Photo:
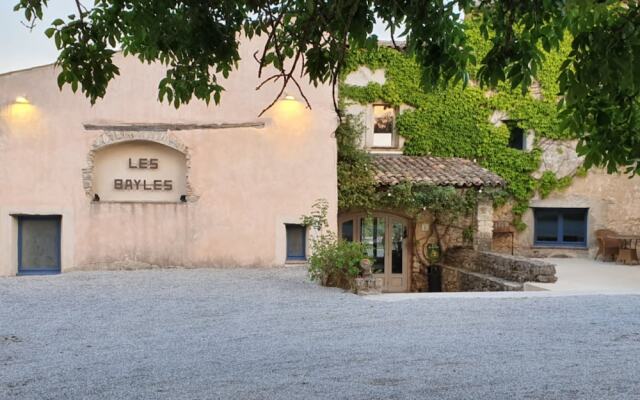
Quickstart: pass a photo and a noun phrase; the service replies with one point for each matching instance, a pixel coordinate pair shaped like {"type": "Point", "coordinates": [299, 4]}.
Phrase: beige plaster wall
{"type": "Point", "coordinates": [246, 182]}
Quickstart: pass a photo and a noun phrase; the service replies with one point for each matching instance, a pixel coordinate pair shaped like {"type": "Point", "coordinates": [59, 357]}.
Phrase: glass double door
{"type": "Point", "coordinates": [387, 242]}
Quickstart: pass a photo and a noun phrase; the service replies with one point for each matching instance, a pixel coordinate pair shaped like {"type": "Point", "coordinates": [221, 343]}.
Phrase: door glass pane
{"type": "Point", "coordinates": [39, 247]}
{"type": "Point", "coordinates": [372, 234]}
{"type": "Point", "coordinates": [347, 230]}
{"type": "Point", "coordinates": [396, 247]}
{"type": "Point", "coordinates": [546, 226]}
{"type": "Point", "coordinates": [296, 242]}
{"type": "Point", "coordinates": [574, 226]}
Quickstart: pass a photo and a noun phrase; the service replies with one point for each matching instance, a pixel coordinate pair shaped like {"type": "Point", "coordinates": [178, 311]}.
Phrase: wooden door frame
{"type": "Point", "coordinates": [388, 215]}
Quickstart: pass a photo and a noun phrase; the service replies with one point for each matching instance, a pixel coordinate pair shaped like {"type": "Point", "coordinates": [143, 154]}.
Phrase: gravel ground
{"type": "Point", "coordinates": [269, 334]}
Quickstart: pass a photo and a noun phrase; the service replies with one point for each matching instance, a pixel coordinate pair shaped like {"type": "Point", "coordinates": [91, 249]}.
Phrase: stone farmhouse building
{"type": "Point", "coordinates": [134, 183]}
{"type": "Point", "coordinates": [562, 224]}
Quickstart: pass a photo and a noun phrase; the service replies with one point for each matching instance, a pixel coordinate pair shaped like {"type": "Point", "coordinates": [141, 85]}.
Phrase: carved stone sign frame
{"type": "Point", "coordinates": [109, 138]}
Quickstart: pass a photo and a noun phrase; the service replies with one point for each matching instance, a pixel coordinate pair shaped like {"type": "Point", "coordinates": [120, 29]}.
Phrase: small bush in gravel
{"type": "Point", "coordinates": [333, 262]}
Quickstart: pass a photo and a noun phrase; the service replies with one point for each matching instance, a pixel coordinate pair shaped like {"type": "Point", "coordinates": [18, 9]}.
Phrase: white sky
{"type": "Point", "coordinates": [21, 48]}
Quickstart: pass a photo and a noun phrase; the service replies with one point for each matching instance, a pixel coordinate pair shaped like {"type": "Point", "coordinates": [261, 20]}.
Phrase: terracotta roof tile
{"type": "Point", "coordinates": [440, 171]}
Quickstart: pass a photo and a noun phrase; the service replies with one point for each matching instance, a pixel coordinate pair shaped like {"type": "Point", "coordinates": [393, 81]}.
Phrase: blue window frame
{"type": "Point", "coordinates": [296, 242]}
{"type": "Point", "coordinates": [560, 227]}
{"type": "Point", "coordinates": [39, 244]}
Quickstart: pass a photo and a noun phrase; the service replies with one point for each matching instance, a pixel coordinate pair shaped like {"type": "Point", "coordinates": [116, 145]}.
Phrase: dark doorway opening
{"type": "Point", "coordinates": [434, 278]}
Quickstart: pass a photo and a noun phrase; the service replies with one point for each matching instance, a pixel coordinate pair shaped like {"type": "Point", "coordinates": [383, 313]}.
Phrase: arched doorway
{"type": "Point", "coordinates": [388, 240]}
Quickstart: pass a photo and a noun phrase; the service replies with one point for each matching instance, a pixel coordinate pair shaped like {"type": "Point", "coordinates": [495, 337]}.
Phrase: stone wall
{"type": "Point", "coordinates": [613, 201]}
{"type": "Point", "coordinates": [425, 234]}
{"type": "Point", "coordinates": [513, 268]}
{"type": "Point", "coordinates": [451, 237]}
{"type": "Point", "coordinates": [466, 270]}
{"type": "Point", "coordinates": [484, 226]}
{"type": "Point", "coordinates": [461, 280]}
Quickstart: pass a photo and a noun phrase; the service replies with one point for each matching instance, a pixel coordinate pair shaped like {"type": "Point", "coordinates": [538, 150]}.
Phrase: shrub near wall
{"type": "Point", "coordinates": [333, 261]}
{"type": "Point", "coordinates": [455, 122]}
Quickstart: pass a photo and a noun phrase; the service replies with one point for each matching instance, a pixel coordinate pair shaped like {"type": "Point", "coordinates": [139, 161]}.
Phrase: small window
{"type": "Point", "coordinates": [39, 244]}
{"type": "Point", "coordinates": [384, 126]}
{"type": "Point", "coordinates": [560, 226]}
{"type": "Point", "coordinates": [517, 137]}
{"type": "Point", "coordinates": [296, 242]}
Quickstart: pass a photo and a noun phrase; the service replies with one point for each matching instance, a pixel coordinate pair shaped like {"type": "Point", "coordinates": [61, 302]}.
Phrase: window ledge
{"type": "Point", "coordinates": [384, 150]}
{"type": "Point", "coordinates": [292, 263]}
{"type": "Point", "coordinates": [136, 202]}
{"type": "Point", "coordinates": [559, 247]}
{"type": "Point", "coordinates": [40, 272]}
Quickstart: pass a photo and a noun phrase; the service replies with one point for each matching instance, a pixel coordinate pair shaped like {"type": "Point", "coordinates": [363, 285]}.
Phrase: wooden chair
{"type": "Point", "coordinates": [608, 245]}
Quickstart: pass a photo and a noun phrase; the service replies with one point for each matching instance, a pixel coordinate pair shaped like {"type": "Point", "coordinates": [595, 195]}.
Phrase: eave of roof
{"type": "Point", "coordinates": [391, 170]}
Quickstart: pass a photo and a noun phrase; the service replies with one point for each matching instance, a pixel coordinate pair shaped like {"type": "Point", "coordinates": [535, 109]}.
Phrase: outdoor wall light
{"type": "Point", "coordinates": [289, 110]}
{"type": "Point", "coordinates": [22, 100]}
{"type": "Point", "coordinates": [19, 110]}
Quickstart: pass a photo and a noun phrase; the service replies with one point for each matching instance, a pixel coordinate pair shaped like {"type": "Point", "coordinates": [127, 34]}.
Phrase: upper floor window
{"type": "Point", "coordinates": [517, 136]}
{"type": "Point", "coordinates": [384, 117]}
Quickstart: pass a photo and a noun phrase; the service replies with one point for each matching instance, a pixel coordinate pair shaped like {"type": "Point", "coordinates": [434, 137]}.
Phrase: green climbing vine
{"type": "Point", "coordinates": [452, 121]}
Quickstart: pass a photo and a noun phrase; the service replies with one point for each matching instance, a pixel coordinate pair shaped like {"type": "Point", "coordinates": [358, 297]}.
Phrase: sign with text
{"type": "Point", "coordinates": [139, 171]}
{"type": "Point", "coordinates": [141, 184]}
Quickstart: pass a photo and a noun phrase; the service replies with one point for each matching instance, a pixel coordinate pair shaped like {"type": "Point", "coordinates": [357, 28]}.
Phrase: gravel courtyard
{"type": "Point", "coordinates": [270, 334]}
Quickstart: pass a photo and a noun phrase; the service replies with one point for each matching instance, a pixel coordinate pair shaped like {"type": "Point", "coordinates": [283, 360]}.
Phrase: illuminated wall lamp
{"type": "Point", "coordinates": [22, 100]}
{"type": "Point", "coordinates": [289, 97]}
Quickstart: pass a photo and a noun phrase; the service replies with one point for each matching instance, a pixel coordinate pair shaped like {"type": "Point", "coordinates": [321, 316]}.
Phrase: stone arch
{"type": "Point", "coordinates": [110, 138]}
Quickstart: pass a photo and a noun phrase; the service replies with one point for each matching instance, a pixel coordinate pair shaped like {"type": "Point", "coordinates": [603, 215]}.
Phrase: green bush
{"type": "Point", "coordinates": [336, 262]}
{"type": "Point", "coordinates": [333, 262]}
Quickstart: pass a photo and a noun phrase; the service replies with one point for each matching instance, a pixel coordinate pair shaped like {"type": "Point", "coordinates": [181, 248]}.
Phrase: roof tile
{"type": "Point", "coordinates": [439, 171]}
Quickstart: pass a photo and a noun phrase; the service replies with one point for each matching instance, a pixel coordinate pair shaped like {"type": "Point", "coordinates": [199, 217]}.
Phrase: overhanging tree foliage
{"type": "Point", "coordinates": [198, 41]}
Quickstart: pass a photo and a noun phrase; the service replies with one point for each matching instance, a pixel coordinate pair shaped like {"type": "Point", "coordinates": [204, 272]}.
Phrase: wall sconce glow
{"type": "Point", "coordinates": [288, 109]}
{"type": "Point", "coordinates": [22, 100]}
{"type": "Point", "coordinates": [20, 111]}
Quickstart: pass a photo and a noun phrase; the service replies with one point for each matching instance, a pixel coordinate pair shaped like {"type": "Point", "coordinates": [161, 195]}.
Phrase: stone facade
{"type": "Point", "coordinates": [559, 157]}
{"type": "Point", "coordinates": [612, 200]}
{"type": "Point", "coordinates": [484, 226]}
{"type": "Point", "coordinates": [450, 237]}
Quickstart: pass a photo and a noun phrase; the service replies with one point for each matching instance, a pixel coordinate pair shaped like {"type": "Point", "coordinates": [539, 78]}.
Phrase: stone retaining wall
{"type": "Point", "coordinates": [513, 268]}
{"type": "Point", "coordinates": [468, 270]}
{"type": "Point", "coordinates": [460, 280]}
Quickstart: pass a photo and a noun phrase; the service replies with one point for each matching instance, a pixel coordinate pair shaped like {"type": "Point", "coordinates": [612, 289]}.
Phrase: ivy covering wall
{"type": "Point", "coordinates": [455, 122]}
